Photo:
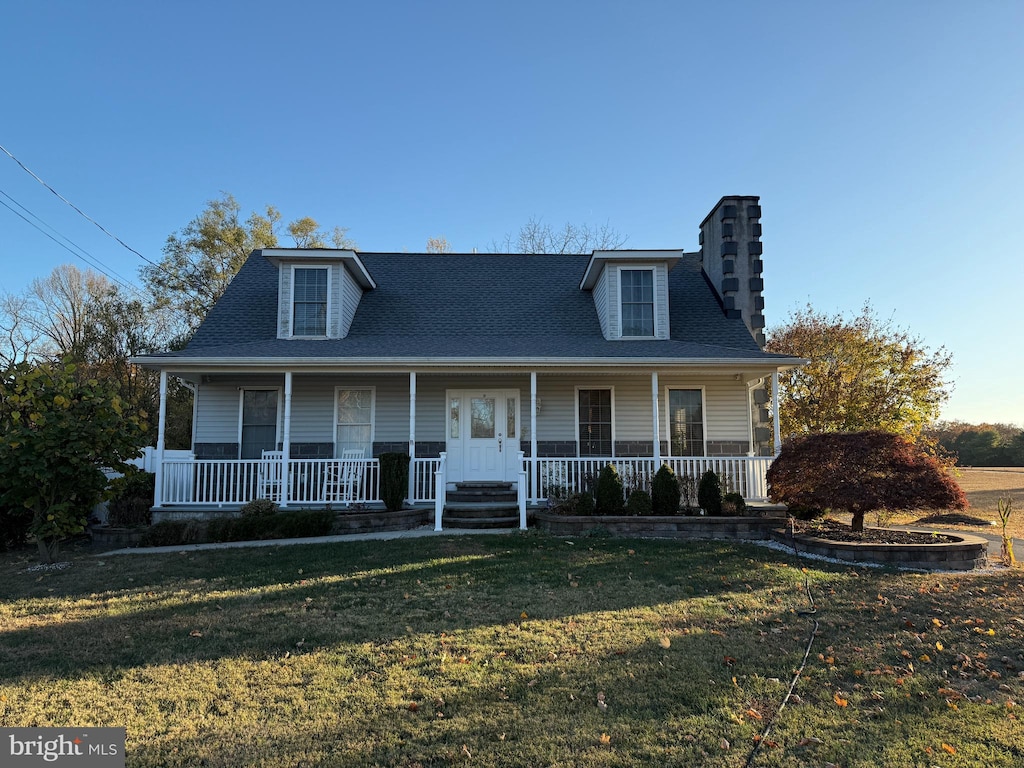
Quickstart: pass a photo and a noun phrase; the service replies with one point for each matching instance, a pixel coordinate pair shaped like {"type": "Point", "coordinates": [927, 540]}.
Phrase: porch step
{"type": "Point", "coordinates": [474, 509]}
{"type": "Point", "coordinates": [481, 522]}
{"type": "Point", "coordinates": [483, 492]}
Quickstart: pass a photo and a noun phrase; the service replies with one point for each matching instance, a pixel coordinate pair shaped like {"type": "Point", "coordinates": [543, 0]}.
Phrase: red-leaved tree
{"type": "Point", "coordinates": [859, 472]}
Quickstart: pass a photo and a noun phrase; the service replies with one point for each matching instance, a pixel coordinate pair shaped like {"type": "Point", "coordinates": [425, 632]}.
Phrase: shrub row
{"type": "Point", "coordinates": [252, 527]}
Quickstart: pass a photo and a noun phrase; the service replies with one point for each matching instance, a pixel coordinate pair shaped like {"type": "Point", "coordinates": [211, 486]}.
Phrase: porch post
{"type": "Point", "coordinates": [656, 420]}
{"type": "Point", "coordinates": [158, 489]}
{"type": "Point", "coordinates": [286, 441]}
{"type": "Point", "coordinates": [412, 436]}
{"type": "Point", "coordinates": [775, 412]}
{"type": "Point", "coordinates": [534, 488]}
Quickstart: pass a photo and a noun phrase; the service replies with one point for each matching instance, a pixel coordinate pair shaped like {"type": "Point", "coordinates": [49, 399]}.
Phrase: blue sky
{"type": "Point", "coordinates": [886, 140]}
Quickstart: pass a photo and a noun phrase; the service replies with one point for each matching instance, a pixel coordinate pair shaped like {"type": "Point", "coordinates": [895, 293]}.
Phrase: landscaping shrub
{"type": "Point", "coordinates": [688, 493]}
{"type": "Point", "coordinates": [860, 472]}
{"type": "Point", "coordinates": [131, 499]}
{"type": "Point", "coordinates": [665, 491]}
{"type": "Point", "coordinates": [581, 504]}
{"type": "Point", "coordinates": [259, 508]}
{"type": "Point", "coordinates": [734, 504]}
{"type": "Point", "coordinates": [170, 533]}
{"type": "Point", "coordinates": [709, 493]}
{"type": "Point", "coordinates": [639, 503]}
{"type": "Point", "coordinates": [609, 491]}
{"type": "Point", "coordinates": [280, 525]}
{"type": "Point", "coordinates": [394, 480]}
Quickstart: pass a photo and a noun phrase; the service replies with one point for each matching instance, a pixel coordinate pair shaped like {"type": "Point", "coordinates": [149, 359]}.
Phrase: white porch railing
{"type": "Point", "coordinates": [224, 482]}
{"type": "Point", "coordinates": [744, 474]}
{"type": "Point", "coordinates": [424, 472]}
{"type": "Point", "coordinates": [219, 482]}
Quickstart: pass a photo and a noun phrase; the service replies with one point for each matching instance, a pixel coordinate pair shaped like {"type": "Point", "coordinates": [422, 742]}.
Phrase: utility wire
{"type": "Point", "coordinates": [79, 210]}
{"type": "Point", "coordinates": [87, 258]}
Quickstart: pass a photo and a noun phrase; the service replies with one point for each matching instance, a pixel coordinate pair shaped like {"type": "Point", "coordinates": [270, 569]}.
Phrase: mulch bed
{"type": "Point", "coordinates": [834, 531]}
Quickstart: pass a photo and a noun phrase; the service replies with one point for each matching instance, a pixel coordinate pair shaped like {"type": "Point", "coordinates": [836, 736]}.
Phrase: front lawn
{"type": "Point", "coordinates": [521, 650]}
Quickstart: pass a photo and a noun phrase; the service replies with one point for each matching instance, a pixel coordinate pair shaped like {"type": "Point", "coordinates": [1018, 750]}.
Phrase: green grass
{"type": "Point", "coordinates": [493, 651]}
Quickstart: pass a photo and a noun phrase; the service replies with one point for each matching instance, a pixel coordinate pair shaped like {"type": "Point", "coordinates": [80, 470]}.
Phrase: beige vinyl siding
{"type": "Point", "coordinates": [284, 302]}
{"type": "Point", "coordinates": [725, 404]}
{"type": "Point", "coordinates": [600, 294]}
{"type": "Point", "coordinates": [334, 282]}
{"type": "Point", "coordinates": [661, 301]}
{"type": "Point", "coordinates": [614, 326]}
{"type": "Point", "coordinates": [350, 294]}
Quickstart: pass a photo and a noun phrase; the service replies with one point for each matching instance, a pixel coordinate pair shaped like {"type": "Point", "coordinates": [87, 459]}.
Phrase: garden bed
{"type": "Point", "coordinates": [922, 550]}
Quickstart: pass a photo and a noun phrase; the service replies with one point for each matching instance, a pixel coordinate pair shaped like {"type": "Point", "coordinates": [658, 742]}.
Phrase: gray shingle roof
{"type": "Point", "coordinates": [471, 306]}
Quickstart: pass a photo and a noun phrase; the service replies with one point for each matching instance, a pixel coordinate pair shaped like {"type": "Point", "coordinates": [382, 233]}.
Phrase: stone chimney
{"type": "Point", "coordinates": [730, 253]}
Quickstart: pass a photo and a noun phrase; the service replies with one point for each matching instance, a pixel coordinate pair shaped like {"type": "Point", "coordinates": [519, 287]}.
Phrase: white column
{"type": "Point", "coordinates": [158, 491]}
{"type": "Point", "coordinates": [656, 420]}
{"type": "Point", "coordinates": [286, 441]}
{"type": "Point", "coordinates": [412, 435]}
{"type": "Point", "coordinates": [775, 412]}
{"type": "Point", "coordinates": [534, 491]}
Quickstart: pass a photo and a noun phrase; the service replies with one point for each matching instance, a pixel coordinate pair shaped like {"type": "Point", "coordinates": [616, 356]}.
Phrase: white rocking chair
{"type": "Point", "coordinates": [343, 480]}
{"type": "Point", "coordinates": [269, 476]}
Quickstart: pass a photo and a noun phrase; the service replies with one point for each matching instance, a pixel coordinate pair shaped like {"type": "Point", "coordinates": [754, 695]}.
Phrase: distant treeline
{"type": "Point", "coordinates": [980, 445]}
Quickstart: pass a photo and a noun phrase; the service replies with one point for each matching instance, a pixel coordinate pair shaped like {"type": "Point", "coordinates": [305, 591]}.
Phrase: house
{"type": "Point", "coordinates": [529, 370]}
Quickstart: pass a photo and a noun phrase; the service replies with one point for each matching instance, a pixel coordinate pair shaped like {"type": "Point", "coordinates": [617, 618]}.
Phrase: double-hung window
{"type": "Point", "coordinates": [637, 294]}
{"type": "Point", "coordinates": [309, 301]}
{"type": "Point", "coordinates": [594, 421]}
{"type": "Point", "coordinates": [355, 420]}
{"type": "Point", "coordinates": [686, 422]}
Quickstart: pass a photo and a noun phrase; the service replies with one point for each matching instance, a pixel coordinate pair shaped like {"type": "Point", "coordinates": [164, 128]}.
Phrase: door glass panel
{"type": "Point", "coordinates": [259, 422]}
{"type": "Point", "coordinates": [453, 418]}
{"type": "Point", "coordinates": [510, 412]}
{"type": "Point", "coordinates": [482, 417]}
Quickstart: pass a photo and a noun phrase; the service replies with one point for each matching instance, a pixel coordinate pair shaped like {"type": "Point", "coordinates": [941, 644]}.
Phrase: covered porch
{"type": "Point", "coordinates": [546, 431]}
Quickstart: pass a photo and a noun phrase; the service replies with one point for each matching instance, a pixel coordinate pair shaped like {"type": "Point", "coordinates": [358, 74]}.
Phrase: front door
{"type": "Point", "coordinates": [483, 435]}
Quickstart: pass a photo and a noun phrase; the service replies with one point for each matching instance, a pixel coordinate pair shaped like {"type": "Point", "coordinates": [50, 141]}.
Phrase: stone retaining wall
{"type": "Point", "coordinates": [668, 527]}
{"type": "Point", "coordinates": [964, 554]}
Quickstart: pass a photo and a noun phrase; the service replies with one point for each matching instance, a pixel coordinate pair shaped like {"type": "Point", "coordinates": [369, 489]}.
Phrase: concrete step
{"type": "Point", "coordinates": [470, 484]}
{"type": "Point", "coordinates": [480, 522]}
{"type": "Point", "coordinates": [474, 509]}
{"type": "Point", "coordinates": [482, 495]}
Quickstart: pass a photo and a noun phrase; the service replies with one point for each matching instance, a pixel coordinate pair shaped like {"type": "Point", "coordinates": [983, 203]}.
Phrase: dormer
{"type": "Point", "coordinates": [318, 291]}
{"type": "Point", "coordinates": [630, 290]}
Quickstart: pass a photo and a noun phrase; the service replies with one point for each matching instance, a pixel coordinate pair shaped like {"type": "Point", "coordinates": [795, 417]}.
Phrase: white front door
{"type": "Point", "coordinates": [483, 434]}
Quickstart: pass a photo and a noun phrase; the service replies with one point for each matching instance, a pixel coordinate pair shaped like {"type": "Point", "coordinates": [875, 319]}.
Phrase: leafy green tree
{"type": "Point", "coordinates": [57, 432]}
{"type": "Point", "coordinates": [864, 373]}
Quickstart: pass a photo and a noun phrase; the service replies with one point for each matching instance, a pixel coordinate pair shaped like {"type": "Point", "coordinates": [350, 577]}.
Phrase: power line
{"type": "Point", "coordinates": [88, 258]}
{"type": "Point", "coordinates": [79, 210]}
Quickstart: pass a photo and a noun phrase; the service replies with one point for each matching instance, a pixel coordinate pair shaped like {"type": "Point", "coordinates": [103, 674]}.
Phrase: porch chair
{"type": "Point", "coordinates": [269, 477]}
{"type": "Point", "coordinates": [344, 479]}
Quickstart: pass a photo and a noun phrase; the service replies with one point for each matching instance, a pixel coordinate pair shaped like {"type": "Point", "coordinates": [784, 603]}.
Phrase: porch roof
{"type": "Point", "coordinates": [496, 309]}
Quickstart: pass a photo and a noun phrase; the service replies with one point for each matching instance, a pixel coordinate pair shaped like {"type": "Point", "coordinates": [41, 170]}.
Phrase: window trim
{"type": "Point", "coordinates": [373, 415]}
{"type": "Point", "coordinates": [654, 296]}
{"type": "Point", "coordinates": [703, 413]}
{"type": "Point", "coordinates": [576, 414]}
{"type": "Point", "coordinates": [291, 302]}
{"type": "Point", "coordinates": [241, 414]}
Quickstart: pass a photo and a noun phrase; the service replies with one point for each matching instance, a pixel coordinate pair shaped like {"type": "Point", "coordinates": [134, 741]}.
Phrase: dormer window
{"type": "Point", "coordinates": [309, 301]}
{"type": "Point", "coordinates": [637, 302]}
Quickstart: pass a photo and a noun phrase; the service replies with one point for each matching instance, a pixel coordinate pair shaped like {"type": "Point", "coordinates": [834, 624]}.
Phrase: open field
{"type": "Point", "coordinates": [984, 487]}
{"type": "Point", "coordinates": [521, 650]}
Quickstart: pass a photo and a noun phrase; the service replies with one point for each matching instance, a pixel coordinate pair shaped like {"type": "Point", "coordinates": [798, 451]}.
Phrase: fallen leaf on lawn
{"type": "Point", "coordinates": [724, 744]}
{"type": "Point", "coordinates": [755, 714]}
{"type": "Point", "coordinates": [936, 622]}
{"type": "Point", "coordinates": [925, 658]}
{"type": "Point", "coordinates": [730, 660]}
{"type": "Point", "coordinates": [523, 615]}
{"type": "Point", "coordinates": [466, 752]}
{"type": "Point", "coordinates": [939, 646]}
{"type": "Point", "coordinates": [807, 741]}
{"type": "Point", "coordinates": [606, 739]}
{"type": "Point", "coordinates": [195, 633]}
{"type": "Point", "coordinates": [948, 748]}
{"type": "Point", "coordinates": [414, 707]}
{"type": "Point", "coordinates": [665, 642]}
{"type": "Point", "coordinates": [839, 700]}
